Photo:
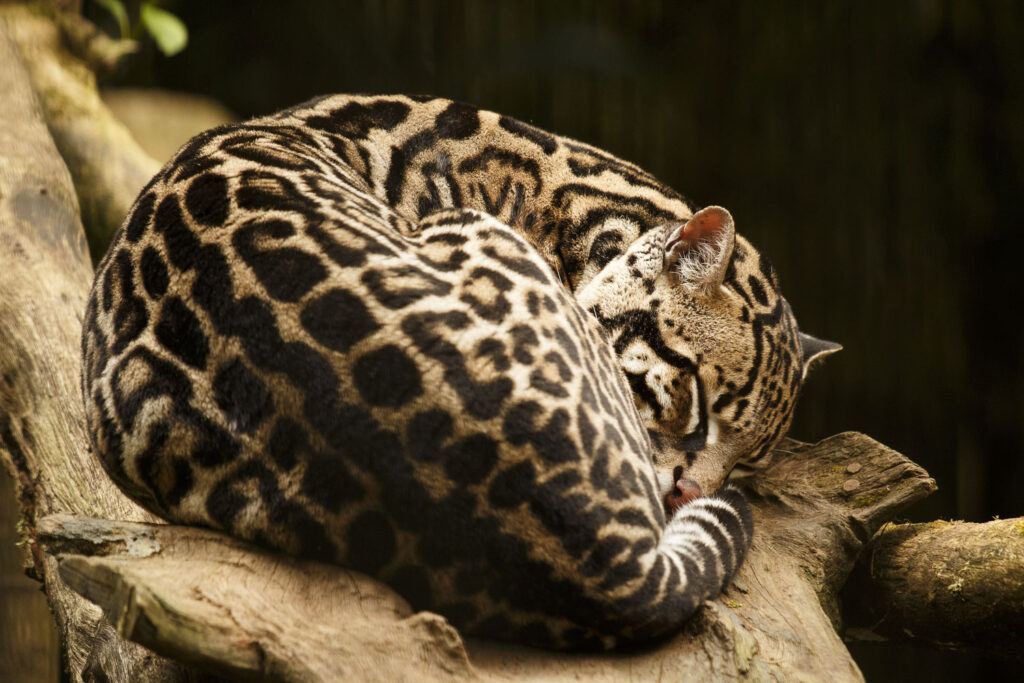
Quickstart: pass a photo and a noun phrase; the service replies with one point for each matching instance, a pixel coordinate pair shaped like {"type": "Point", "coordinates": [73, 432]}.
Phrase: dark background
{"type": "Point", "coordinates": [873, 150]}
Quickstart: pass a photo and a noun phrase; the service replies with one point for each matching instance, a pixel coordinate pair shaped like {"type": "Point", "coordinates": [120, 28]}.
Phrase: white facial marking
{"type": "Point", "coordinates": [665, 482]}
{"type": "Point", "coordinates": [658, 387]}
{"type": "Point", "coordinates": [694, 422]}
{"type": "Point", "coordinates": [634, 361]}
{"type": "Point", "coordinates": [712, 430]}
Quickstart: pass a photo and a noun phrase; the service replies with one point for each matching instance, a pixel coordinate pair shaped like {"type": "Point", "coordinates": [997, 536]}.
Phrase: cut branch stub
{"type": "Point", "coordinates": [199, 596]}
{"type": "Point", "coordinates": [823, 522]}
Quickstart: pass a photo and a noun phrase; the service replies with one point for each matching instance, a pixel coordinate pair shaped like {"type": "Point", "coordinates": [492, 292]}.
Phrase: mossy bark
{"type": "Point", "coordinates": [107, 167]}
{"type": "Point", "coordinates": [952, 584]}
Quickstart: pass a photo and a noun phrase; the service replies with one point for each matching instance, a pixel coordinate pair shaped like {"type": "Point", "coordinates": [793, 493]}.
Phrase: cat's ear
{"type": "Point", "coordinates": [698, 251]}
{"type": "Point", "coordinates": [814, 350]}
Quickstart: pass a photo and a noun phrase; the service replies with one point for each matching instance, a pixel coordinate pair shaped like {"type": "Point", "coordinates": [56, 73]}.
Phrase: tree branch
{"type": "Point", "coordinates": [202, 597]}
{"type": "Point", "coordinates": [44, 277]}
{"type": "Point", "coordinates": [106, 164]}
{"type": "Point", "coordinates": [90, 44]}
{"type": "Point", "coordinates": [951, 584]}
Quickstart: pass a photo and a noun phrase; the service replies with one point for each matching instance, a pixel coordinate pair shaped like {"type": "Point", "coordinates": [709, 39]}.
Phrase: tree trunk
{"type": "Point", "coordinates": [45, 274]}
{"type": "Point", "coordinates": [107, 166]}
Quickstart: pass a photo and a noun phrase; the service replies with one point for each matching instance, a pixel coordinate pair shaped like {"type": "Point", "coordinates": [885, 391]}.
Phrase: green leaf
{"type": "Point", "coordinates": [167, 30]}
{"type": "Point", "coordinates": [117, 10]}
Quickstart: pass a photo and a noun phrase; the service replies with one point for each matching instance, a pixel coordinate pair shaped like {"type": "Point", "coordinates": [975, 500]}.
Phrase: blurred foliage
{"type": "Point", "coordinates": [170, 34]}
{"type": "Point", "coordinates": [166, 30]}
{"type": "Point", "coordinates": [874, 150]}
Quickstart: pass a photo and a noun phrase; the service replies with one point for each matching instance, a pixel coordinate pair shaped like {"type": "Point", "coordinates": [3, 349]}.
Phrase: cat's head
{"type": "Point", "coordinates": [709, 345]}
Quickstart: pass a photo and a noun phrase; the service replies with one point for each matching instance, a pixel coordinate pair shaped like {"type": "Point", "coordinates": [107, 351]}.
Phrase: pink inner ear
{"type": "Point", "coordinates": [705, 223]}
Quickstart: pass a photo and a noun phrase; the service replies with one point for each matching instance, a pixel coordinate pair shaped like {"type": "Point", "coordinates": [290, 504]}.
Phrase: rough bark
{"type": "Point", "coordinates": [952, 584]}
{"type": "Point", "coordinates": [44, 277]}
{"type": "Point", "coordinates": [107, 165]}
{"type": "Point", "coordinates": [327, 623]}
{"type": "Point", "coordinates": [201, 597]}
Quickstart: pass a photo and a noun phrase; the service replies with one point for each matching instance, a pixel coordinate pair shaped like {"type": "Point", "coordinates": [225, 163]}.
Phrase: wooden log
{"type": "Point", "coordinates": [235, 610]}
{"type": "Point", "coordinates": [45, 274]}
{"type": "Point", "coordinates": [951, 584]}
{"type": "Point", "coordinates": [199, 596]}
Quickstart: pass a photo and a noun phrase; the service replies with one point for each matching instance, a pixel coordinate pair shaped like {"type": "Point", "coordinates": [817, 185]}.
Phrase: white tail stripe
{"type": "Point", "coordinates": [714, 521]}
{"type": "Point", "coordinates": [687, 537]}
{"type": "Point", "coordinates": [719, 506]}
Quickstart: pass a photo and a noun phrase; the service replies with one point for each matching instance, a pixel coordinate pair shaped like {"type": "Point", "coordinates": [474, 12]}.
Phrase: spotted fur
{"type": "Point", "coordinates": [448, 349]}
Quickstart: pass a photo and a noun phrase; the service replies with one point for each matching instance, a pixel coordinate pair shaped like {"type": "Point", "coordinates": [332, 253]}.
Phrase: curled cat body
{"type": "Point", "coordinates": [491, 366]}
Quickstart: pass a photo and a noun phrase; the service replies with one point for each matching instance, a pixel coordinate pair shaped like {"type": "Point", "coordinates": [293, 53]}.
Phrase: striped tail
{"type": "Point", "coordinates": [700, 551]}
{"type": "Point", "coordinates": [707, 540]}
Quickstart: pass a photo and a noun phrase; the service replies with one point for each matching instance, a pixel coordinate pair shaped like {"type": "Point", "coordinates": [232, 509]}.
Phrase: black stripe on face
{"type": "Point", "coordinates": [643, 325]}
{"type": "Point", "coordinates": [698, 438]}
{"type": "Point", "coordinates": [638, 383]}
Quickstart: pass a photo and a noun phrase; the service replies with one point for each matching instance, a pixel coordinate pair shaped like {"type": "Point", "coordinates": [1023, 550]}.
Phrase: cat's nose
{"type": "Point", "coordinates": [685, 491]}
